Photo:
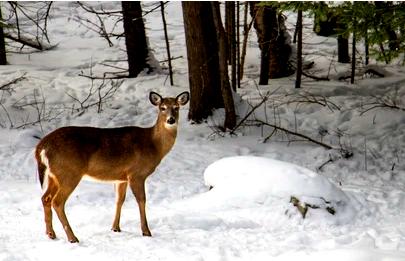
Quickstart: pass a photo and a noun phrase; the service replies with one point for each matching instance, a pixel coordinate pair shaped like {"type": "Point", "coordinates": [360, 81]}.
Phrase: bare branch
{"type": "Point", "coordinates": [305, 137]}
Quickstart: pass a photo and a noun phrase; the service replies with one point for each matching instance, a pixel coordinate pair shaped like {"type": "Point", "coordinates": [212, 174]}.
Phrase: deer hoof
{"type": "Point", "coordinates": [51, 234]}
{"type": "Point", "coordinates": [74, 240]}
{"type": "Point", "coordinates": [146, 234]}
{"type": "Point", "coordinates": [117, 229]}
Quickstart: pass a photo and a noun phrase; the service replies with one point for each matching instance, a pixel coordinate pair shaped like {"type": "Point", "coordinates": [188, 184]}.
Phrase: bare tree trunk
{"type": "Point", "coordinates": [246, 30]}
{"type": "Point", "coordinates": [135, 37]}
{"type": "Point", "coordinates": [366, 48]}
{"type": "Point", "coordinates": [272, 38]}
{"type": "Point", "coordinates": [229, 24]}
{"type": "Point", "coordinates": [3, 57]}
{"type": "Point", "coordinates": [343, 49]}
{"type": "Point", "coordinates": [202, 56]}
{"type": "Point", "coordinates": [299, 50]}
{"type": "Point", "coordinates": [353, 59]}
{"type": "Point", "coordinates": [230, 115]}
{"type": "Point", "coordinates": [231, 41]}
{"type": "Point", "coordinates": [169, 57]}
{"type": "Point", "coordinates": [237, 44]}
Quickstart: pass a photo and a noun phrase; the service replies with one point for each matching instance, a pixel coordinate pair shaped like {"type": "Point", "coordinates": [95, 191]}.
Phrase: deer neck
{"type": "Point", "coordinates": [163, 137]}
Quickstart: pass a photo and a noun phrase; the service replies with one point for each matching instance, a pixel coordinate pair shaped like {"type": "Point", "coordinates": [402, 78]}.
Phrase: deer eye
{"type": "Point", "coordinates": [163, 108]}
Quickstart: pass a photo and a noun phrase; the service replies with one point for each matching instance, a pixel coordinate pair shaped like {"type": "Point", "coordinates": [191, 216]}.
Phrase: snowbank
{"type": "Point", "coordinates": [243, 180]}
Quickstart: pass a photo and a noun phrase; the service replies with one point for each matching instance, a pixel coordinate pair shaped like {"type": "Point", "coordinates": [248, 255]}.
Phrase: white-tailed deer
{"type": "Point", "coordinates": [126, 155]}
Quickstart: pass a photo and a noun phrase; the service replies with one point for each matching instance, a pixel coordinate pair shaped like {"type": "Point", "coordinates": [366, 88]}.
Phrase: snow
{"type": "Point", "coordinates": [249, 178]}
{"type": "Point", "coordinates": [247, 214]}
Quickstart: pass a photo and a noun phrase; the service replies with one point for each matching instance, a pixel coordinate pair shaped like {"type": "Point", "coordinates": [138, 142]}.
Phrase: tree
{"type": "Point", "coordinates": [327, 23]}
{"type": "Point", "coordinates": [26, 24]}
{"type": "Point", "coordinates": [299, 50]}
{"type": "Point", "coordinates": [230, 25]}
{"type": "Point", "coordinates": [207, 62]}
{"type": "Point", "coordinates": [139, 56]}
{"type": "Point", "coordinates": [3, 57]}
{"type": "Point", "coordinates": [203, 60]}
{"type": "Point", "coordinates": [230, 116]}
{"type": "Point", "coordinates": [273, 41]}
{"type": "Point", "coordinates": [135, 38]}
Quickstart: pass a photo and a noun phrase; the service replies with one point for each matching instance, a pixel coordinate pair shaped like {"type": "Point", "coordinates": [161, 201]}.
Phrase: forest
{"type": "Point", "coordinates": [291, 145]}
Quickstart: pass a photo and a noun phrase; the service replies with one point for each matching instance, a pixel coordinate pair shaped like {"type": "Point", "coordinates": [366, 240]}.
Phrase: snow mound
{"type": "Point", "coordinates": [256, 176]}
{"type": "Point", "coordinates": [243, 180]}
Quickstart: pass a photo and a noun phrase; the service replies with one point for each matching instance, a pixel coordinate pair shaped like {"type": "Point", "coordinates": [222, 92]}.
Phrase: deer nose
{"type": "Point", "coordinates": [171, 120]}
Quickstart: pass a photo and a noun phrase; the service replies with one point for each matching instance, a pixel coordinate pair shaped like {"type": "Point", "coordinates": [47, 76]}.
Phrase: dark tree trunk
{"type": "Point", "coordinates": [366, 48]}
{"type": "Point", "coordinates": [299, 50]}
{"type": "Point", "coordinates": [325, 25]}
{"type": "Point", "coordinates": [135, 37]}
{"type": "Point", "coordinates": [3, 57]}
{"type": "Point", "coordinates": [230, 24]}
{"type": "Point", "coordinates": [202, 56]}
{"type": "Point", "coordinates": [230, 116]}
{"type": "Point", "coordinates": [343, 49]}
{"type": "Point", "coordinates": [264, 63]}
{"type": "Point", "coordinates": [271, 34]}
{"type": "Point", "coordinates": [238, 73]}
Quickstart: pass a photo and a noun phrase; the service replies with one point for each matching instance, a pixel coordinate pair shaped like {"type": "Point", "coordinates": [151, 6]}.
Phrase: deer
{"type": "Point", "coordinates": [123, 156]}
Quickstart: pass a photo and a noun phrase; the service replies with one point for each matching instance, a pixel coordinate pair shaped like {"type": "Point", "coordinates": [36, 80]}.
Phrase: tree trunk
{"type": "Point", "coordinates": [246, 29]}
{"type": "Point", "coordinates": [366, 48]}
{"type": "Point", "coordinates": [353, 59]}
{"type": "Point", "coordinates": [299, 50]}
{"type": "Point", "coordinates": [135, 37]}
{"type": "Point", "coordinates": [202, 56]}
{"type": "Point", "coordinates": [230, 116]}
{"type": "Point", "coordinates": [343, 49]}
{"type": "Point", "coordinates": [230, 22]}
{"type": "Point", "coordinates": [3, 57]}
{"type": "Point", "coordinates": [238, 45]}
{"type": "Point", "coordinates": [326, 24]}
{"type": "Point", "coordinates": [272, 39]}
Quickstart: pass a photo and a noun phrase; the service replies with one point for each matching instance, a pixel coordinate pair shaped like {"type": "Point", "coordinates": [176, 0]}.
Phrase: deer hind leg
{"type": "Point", "coordinates": [58, 204]}
{"type": "Point", "coordinates": [138, 188]}
{"type": "Point", "coordinates": [120, 192]}
{"type": "Point", "coordinates": [47, 198]}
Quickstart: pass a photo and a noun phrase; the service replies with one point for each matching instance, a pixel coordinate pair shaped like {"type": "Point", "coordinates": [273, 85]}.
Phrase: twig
{"type": "Point", "coordinates": [330, 160]}
{"type": "Point", "coordinates": [162, 7]}
{"type": "Point", "coordinates": [265, 98]}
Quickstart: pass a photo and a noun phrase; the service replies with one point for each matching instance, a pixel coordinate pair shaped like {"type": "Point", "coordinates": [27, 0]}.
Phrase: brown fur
{"type": "Point", "coordinates": [126, 155]}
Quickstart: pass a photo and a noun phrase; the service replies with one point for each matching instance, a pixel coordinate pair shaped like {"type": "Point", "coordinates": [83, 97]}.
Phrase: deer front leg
{"type": "Point", "coordinates": [138, 188]}
{"type": "Point", "coordinates": [120, 192]}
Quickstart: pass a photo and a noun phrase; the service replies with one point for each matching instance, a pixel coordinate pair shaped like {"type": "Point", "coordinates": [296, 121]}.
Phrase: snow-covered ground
{"type": "Point", "coordinates": [243, 217]}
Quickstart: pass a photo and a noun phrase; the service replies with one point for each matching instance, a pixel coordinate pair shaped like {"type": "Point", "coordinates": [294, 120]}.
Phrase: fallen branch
{"type": "Point", "coordinates": [295, 134]}
{"type": "Point", "coordinates": [315, 99]}
{"type": "Point", "coordinates": [6, 86]}
{"type": "Point", "coordinates": [28, 42]}
{"type": "Point", "coordinates": [389, 101]}
{"type": "Point", "coordinates": [104, 77]}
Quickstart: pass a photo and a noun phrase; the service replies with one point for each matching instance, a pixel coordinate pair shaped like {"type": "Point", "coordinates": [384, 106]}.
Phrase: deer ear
{"type": "Point", "coordinates": [155, 98]}
{"type": "Point", "coordinates": [183, 98]}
